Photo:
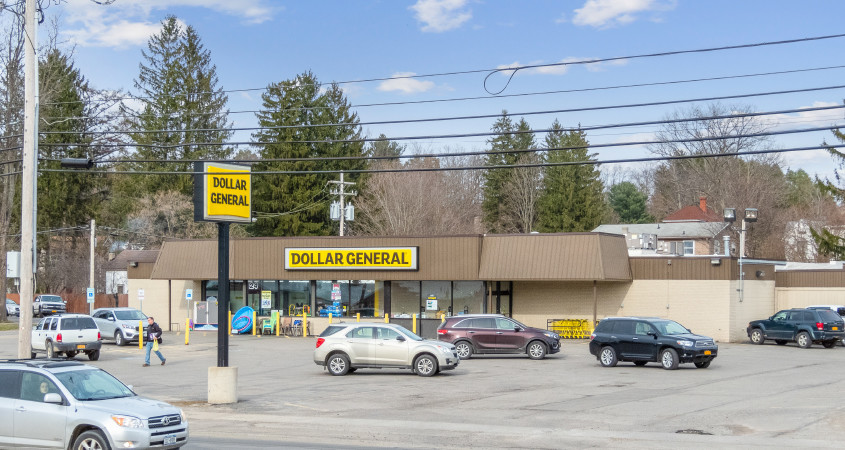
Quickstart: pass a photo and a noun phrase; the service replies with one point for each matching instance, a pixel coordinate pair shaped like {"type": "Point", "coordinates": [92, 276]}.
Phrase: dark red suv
{"type": "Point", "coordinates": [495, 333]}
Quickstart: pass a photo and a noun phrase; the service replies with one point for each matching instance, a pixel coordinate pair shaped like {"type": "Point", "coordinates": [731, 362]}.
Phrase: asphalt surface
{"type": "Point", "coordinates": [751, 396]}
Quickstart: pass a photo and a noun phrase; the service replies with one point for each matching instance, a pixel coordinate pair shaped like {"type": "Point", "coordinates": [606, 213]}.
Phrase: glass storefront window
{"type": "Point", "coordinates": [210, 290]}
{"type": "Point", "coordinates": [294, 295]}
{"type": "Point", "coordinates": [468, 297]}
{"type": "Point", "coordinates": [436, 299]}
{"type": "Point", "coordinates": [236, 295]}
{"type": "Point", "coordinates": [365, 297]}
{"type": "Point", "coordinates": [404, 298]}
{"type": "Point", "coordinates": [332, 297]}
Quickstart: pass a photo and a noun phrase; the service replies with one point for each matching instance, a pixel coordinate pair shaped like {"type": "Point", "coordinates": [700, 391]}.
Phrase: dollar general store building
{"type": "Point", "coordinates": [533, 278]}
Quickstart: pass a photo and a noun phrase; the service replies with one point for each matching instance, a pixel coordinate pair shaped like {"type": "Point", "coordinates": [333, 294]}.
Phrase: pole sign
{"type": "Point", "coordinates": [89, 295]}
{"type": "Point", "coordinates": [189, 294]}
{"type": "Point", "coordinates": [141, 295]}
{"type": "Point", "coordinates": [222, 192]}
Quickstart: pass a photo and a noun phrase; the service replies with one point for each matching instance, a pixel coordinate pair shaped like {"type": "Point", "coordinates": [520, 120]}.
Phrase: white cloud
{"type": "Point", "coordinates": [805, 119]}
{"type": "Point", "coordinates": [405, 85]}
{"type": "Point", "coordinates": [607, 13]}
{"type": "Point", "coordinates": [560, 68]}
{"type": "Point", "coordinates": [131, 22]}
{"type": "Point", "coordinates": [441, 15]}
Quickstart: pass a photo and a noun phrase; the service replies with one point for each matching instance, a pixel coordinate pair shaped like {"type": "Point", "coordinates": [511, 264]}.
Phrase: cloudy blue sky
{"type": "Point", "coordinates": [256, 42]}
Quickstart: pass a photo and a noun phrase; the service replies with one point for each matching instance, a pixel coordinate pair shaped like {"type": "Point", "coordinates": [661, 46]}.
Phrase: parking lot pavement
{"type": "Point", "coordinates": [750, 396]}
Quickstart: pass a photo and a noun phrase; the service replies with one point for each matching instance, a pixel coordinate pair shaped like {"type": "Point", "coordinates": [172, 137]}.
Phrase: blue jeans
{"type": "Point", "coordinates": [149, 347]}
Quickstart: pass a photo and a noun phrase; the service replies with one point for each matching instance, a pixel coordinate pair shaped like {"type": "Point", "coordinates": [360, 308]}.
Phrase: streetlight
{"type": "Point", "coordinates": [750, 216]}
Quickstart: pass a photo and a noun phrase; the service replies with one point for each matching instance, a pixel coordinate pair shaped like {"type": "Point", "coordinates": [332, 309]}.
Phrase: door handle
{"type": "Point", "coordinates": [20, 409]}
{"type": "Point", "coordinates": [470, 332]}
{"type": "Point", "coordinates": [635, 339]}
{"type": "Point", "coordinates": [498, 332]}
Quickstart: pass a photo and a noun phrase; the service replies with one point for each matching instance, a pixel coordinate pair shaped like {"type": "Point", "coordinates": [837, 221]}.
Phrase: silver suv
{"type": "Point", "coordinates": [68, 404]}
{"type": "Point", "coordinates": [70, 334]}
{"type": "Point", "coordinates": [120, 324]}
{"type": "Point", "coordinates": [343, 348]}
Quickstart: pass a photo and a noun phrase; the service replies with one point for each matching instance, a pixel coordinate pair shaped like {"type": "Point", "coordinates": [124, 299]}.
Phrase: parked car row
{"type": "Point", "coordinates": [68, 335]}
{"type": "Point", "coordinates": [814, 325]}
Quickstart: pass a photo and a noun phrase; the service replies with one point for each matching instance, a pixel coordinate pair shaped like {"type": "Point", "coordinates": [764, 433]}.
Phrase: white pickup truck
{"type": "Point", "coordinates": [70, 334]}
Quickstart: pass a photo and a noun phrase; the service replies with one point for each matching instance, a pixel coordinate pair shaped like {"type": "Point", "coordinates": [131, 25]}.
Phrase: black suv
{"type": "Point", "coordinates": [804, 326]}
{"type": "Point", "coordinates": [649, 339]}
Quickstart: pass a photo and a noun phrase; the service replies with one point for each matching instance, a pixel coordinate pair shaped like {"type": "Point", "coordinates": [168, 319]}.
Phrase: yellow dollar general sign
{"type": "Point", "coordinates": [370, 258]}
{"type": "Point", "coordinates": [222, 192]}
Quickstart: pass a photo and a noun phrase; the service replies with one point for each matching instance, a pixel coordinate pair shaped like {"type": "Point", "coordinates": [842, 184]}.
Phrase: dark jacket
{"type": "Point", "coordinates": [155, 330]}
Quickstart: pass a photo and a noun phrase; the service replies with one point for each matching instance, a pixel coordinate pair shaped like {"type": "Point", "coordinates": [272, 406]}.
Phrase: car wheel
{"type": "Point", "coordinates": [703, 365]}
{"type": "Point", "coordinates": [829, 344]}
{"type": "Point", "coordinates": [464, 350]}
{"type": "Point", "coordinates": [91, 440]}
{"type": "Point", "coordinates": [94, 355]}
{"type": "Point", "coordinates": [51, 353]}
{"type": "Point", "coordinates": [669, 359]}
{"type": "Point", "coordinates": [338, 364]}
{"type": "Point", "coordinates": [425, 366]}
{"type": "Point", "coordinates": [119, 340]}
{"type": "Point", "coordinates": [536, 350]}
{"type": "Point", "coordinates": [607, 357]}
{"type": "Point", "coordinates": [70, 354]}
{"type": "Point", "coordinates": [757, 336]}
{"type": "Point", "coordinates": [640, 363]}
{"type": "Point", "coordinates": [804, 340]}
{"type": "Point", "coordinates": [781, 342]}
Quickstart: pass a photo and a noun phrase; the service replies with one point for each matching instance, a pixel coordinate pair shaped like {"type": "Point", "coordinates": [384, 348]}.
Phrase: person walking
{"type": "Point", "coordinates": [153, 338]}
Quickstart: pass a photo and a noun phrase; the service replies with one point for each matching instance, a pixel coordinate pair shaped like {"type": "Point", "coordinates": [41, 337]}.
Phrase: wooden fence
{"type": "Point", "coordinates": [78, 303]}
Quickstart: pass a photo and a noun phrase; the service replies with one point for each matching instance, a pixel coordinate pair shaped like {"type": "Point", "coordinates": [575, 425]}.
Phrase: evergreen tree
{"type": "Point", "coordinates": [385, 147]}
{"type": "Point", "coordinates": [629, 203]}
{"type": "Point", "coordinates": [572, 198]}
{"type": "Point", "coordinates": [831, 244]}
{"type": "Point", "coordinates": [292, 112]}
{"type": "Point", "coordinates": [178, 86]}
{"type": "Point", "coordinates": [499, 214]}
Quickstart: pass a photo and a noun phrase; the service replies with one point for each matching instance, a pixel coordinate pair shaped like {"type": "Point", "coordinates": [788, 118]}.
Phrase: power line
{"type": "Point", "coordinates": [487, 152]}
{"type": "Point", "coordinates": [443, 169]}
{"type": "Point", "coordinates": [452, 136]}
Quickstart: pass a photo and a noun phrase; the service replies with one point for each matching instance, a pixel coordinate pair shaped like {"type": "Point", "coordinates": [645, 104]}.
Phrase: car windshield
{"type": "Point", "coordinates": [408, 333]}
{"type": "Point", "coordinates": [10, 302]}
{"type": "Point", "coordinates": [669, 327]}
{"type": "Point", "coordinates": [94, 384]}
{"type": "Point", "coordinates": [51, 298]}
{"type": "Point", "coordinates": [130, 314]}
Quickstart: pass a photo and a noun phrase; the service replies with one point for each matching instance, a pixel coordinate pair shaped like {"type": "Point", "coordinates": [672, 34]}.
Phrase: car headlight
{"type": "Point", "coordinates": [445, 349]}
{"type": "Point", "coordinates": [182, 414]}
{"type": "Point", "coordinates": [552, 335]}
{"type": "Point", "coordinates": [685, 343]}
{"type": "Point", "coordinates": [128, 421]}
{"type": "Point", "coordinates": [128, 326]}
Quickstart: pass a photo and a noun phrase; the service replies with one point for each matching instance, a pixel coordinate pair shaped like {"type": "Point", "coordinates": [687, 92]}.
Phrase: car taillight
{"type": "Point", "coordinates": [59, 337]}
{"type": "Point", "coordinates": [592, 336]}
{"type": "Point", "coordinates": [98, 336]}
{"type": "Point", "coordinates": [819, 326]}
{"type": "Point", "coordinates": [442, 331]}
{"type": "Point", "coordinates": [320, 342]}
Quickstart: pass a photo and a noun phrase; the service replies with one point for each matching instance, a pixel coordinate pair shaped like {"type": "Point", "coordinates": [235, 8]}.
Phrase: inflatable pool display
{"type": "Point", "coordinates": [242, 320]}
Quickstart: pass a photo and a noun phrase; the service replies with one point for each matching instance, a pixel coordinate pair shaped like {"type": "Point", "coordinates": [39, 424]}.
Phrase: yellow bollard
{"type": "Point", "coordinates": [357, 317]}
{"type": "Point", "coordinates": [187, 329]}
{"type": "Point", "coordinates": [277, 323]}
{"type": "Point", "coordinates": [330, 318]}
{"type": "Point", "coordinates": [229, 324]}
{"type": "Point", "coordinates": [254, 325]}
{"type": "Point", "coordinates": [443, 318]}
{"type": "Point", "coordinates": [415, 324]}
{"type": "Point", "coordinates": [140, 334]}
{"type": "Point", "coordinates": [386, 319]}
{"type": "Point", "coordinates": [304, 324]}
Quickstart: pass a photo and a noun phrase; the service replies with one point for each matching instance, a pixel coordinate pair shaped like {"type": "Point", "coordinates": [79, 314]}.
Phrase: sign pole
{"type": "Point", "coordinates": [223, 296]}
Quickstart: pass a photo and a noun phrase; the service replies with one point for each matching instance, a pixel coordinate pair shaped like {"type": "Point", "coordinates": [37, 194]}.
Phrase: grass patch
{"type": "Point", "coordinates": [6, 326]}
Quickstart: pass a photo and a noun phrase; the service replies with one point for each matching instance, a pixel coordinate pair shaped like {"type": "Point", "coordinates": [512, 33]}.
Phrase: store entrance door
{"type": "Point", "coordinates": [502, 297]}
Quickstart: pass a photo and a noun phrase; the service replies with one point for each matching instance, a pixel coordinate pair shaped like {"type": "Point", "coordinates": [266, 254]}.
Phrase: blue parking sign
{"type": "Point", "coordinates": [90, 295]}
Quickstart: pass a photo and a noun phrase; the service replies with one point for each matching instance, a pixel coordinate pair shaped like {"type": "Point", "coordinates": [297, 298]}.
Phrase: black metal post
{"type": "Point", "coordinates": [223, 294]}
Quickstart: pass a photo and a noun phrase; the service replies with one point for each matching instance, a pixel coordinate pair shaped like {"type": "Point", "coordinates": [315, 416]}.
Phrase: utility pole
{"type": "Point", "coordinates": [30, 139]}
{"type": "Point", "coordinates": [340, 191]}
{"type": "Point", "coordinates": [91, 266]}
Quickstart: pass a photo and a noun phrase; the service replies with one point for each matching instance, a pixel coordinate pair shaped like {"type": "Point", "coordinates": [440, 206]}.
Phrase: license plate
{"type": "Point", "coordinates": [835, 328]}
{"type": "Point", "coordinates": [170, 439]}
{"type": "Point", "coordinates": [80, 345]}
{"type": "Point", "coordinates": [707, 352]}
{"type": "Point", "coordinates": [54, 310]}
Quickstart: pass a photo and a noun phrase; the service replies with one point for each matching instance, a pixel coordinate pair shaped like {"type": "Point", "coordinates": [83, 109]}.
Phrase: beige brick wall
{"type": "Point", "coordinates": [158, 294]}
{"type": "Point", "coordinates": [786, 298]}
{"type": "Point", "coordinates": [758, 302]}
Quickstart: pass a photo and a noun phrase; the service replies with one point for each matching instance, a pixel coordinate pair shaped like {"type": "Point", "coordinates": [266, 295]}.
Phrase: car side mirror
{"type": "Point", "coordinates": [111, 318]}
{"type": "Point", "coordinates": [517, 328]}
{"type": "Point", "coordinates": [53, 397]}
{"type": "Point", "coordinates": [652, 333]}
{"type": "Point", "coordinates": [400, 338]}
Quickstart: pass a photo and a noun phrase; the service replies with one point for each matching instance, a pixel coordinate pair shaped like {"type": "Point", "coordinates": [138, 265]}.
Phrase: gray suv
{"type": "Point", "coordinates": [120, 324]}
{"type": "Point", "coordinates": [345, 347]}
{"type": "Point", "coordinates": [68, 404]}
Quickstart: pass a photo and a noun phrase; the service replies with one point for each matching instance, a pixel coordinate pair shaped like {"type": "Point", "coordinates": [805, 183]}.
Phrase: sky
{"type": "Point", "coordinates": [257, 42]}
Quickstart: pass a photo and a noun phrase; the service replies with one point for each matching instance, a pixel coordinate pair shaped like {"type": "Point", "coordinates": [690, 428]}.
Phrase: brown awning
{"type": "Point", "coordinates": [564, 257]}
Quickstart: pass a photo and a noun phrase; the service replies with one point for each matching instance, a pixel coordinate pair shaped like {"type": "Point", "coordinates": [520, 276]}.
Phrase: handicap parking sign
{"type": "Point", "coordinates": [90, 295]}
